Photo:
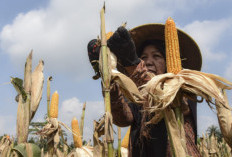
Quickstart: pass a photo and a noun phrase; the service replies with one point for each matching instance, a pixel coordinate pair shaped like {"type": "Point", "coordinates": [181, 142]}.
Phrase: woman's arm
{"type": "Point", "coordinates": [120, 109]}
{"type": "Point", "coordinates": [123, 113]}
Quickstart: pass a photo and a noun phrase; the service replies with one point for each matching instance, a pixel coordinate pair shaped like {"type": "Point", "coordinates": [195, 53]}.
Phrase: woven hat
{"type": "Point", "coordinates": [189, 50]}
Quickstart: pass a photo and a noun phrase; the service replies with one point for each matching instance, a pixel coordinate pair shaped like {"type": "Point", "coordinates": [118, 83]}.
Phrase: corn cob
{"type": "Point", "coordinates": [76, 133]}
{"type": "Point", "coordinates": [108, 35]}
{"type": "Point", "coordinates": [54, 105]}
{"type": "Point", "coordinates": [125, 141]}
{"type": "Point", "coordinates": [173, 60]}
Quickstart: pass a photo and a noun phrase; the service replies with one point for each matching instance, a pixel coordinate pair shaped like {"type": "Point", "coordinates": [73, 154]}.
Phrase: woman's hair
{"type": "Point", "coordinates": [159, 44]}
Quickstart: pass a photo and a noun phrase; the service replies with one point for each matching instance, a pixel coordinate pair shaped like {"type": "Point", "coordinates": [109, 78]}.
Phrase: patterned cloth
{"type": "Point", "coordinates": [125, 113]}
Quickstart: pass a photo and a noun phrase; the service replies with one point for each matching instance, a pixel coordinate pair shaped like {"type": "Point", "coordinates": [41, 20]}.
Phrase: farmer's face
{"type": "Point", "coordinates": [154, 60]}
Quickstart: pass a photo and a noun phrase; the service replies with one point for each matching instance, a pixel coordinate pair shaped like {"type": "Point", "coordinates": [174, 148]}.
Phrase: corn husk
{"type": "Point", "coordinates": [99, 146]}
{"type": "Point", "coordinates": [124, 152]}
{"type": "Point", "coordinates": [225, 120]}
{"type": "Point", "coordinates": [5, 145]}
{"type": "Point", "coordinates": [27, 73]}
{"type": "Point", "coordinates": [37, 80]}
{"type": "Point", "coordinates": [204, 147]}
{"type": "Point", "coordinates": [85, 151]}
{"type": "Point", "coordinates": [212, 145]}
{"type": "Point", "coordinates": [162, 89]}
{"type": "Point", "coordinates": [51, 132]}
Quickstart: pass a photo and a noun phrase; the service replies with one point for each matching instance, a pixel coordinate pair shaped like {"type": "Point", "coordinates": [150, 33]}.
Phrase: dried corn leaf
{"type": "Point", "coordinates": [127, 87]}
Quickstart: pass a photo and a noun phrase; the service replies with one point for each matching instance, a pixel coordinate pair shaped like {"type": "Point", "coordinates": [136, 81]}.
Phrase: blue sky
{"type": "Point", "coordinates": [58, 32]}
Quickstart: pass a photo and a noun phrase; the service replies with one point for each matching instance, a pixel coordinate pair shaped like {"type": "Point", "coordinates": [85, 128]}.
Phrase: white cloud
{"type": "Point", "coordinates": [207, 34]}
{"type": "Point", "coordinates": [73, 108]}
{"type": "Point", "coordinates": [8, 125]}
{"type": "Point", "coordinates": [59, 33]}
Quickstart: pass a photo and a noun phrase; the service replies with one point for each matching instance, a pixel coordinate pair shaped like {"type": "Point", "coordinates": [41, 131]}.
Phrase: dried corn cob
{"type": "Point", "coordinates": [54, 105]}
{"type": "Point", "coordinates": [125, 141]}
{"type": "Point", "coordinates": [173, 60]}
{"type": "Point", "coordinates": [76, 133]}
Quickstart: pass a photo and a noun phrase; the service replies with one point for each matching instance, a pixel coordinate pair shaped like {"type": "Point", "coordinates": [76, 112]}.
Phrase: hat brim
{"type": "Point", "coordinates": [189, 50]}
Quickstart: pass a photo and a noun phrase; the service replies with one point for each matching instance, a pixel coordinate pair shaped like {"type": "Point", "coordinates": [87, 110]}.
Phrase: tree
{"type": "Point", "coordinates": [216, 131]}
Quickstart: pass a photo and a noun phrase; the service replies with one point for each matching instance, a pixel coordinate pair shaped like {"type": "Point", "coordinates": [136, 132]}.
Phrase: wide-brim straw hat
{"type": "Point", "coordinates": [189, 50]}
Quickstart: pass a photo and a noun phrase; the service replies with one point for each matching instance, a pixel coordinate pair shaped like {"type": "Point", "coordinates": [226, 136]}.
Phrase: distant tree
{"type": "Point", "coordinates": [214, 130]}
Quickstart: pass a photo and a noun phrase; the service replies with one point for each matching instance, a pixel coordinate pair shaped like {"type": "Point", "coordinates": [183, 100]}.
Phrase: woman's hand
{"type": "Point", "coordinates": [122, 45]}
{"type": "Point", "coordinates": [93, 53]}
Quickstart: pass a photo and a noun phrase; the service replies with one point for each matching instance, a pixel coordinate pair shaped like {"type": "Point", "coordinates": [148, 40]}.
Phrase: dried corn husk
{"type": "Point", "coordinates": [124, 152]}
{"type": "Point", "coordinates": [212, 145]}
{"type": "Point", "coordinates": [27, 73]}
{"type": "Point", "coordinates": [162, 89]}
{"type": "Point", "coordinates": [99, 127]}
{"type": "Point", "coordinates": [85, 151]}
{"type": "Point", "coordinates": [225, 120]}
{"type": "Point", "coordinates": [37, 80]}
{"type": "Point", "coordinates": [204, 148]}
{"type": "Point", "coordinates": [51, 131]}
{"type": "Point", "coordinates": [5, 145]}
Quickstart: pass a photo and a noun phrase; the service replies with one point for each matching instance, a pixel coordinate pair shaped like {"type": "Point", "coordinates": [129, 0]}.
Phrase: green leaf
{"type": "Point", "coordinates": [21, 150]}
{"type": "Point", "coordinates": [29, 148]}
{"type": "Point", "coordinates": [18, 85]}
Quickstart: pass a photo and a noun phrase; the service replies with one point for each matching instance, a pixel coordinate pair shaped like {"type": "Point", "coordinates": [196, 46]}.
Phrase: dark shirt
{"type": "Point", "coordinates": [155, 145]}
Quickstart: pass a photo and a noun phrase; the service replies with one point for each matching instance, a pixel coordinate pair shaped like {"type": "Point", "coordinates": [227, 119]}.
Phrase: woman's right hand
{"type": "Point", "coordinates": [122, 45]}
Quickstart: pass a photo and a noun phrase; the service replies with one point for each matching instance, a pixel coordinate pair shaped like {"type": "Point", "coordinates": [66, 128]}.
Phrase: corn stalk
{"type": "Point", "coordinates": [119, 142]}
{"type": "Point", "coordinates": [29, 96]}
{"type": "Point", "coordinates": [48, 95]}
{"type": "Point", "coordinates": [106, 80]}
{"type": "Point", "coordinates": [82, 120]}
{"type": "Point", "coordinates": [173, 62]}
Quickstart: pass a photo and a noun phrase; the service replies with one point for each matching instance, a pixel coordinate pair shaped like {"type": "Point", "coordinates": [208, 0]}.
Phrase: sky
{"type": "Point", "coordinates": [58, 32]}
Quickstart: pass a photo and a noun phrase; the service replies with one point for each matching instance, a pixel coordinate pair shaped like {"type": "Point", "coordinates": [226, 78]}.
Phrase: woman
{"type": "Point", "coordinates": [141, 52]}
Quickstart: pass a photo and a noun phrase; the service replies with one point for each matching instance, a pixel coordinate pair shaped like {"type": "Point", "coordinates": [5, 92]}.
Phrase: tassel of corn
{"type": "Point", "coordinates": [76, 133]}
{"type": "Point", "coordinates": [54, 105]}
{"type": "Point", "coordinates": [125, 141]}
{"type": "Point", "coordinates": [173, 60]}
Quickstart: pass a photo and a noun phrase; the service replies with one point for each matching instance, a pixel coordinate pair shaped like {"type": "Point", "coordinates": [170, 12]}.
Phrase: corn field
{"type": "Point", "coordinates": [211, 146]}
{"type": "Point", "coordinates": [50, 134]}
